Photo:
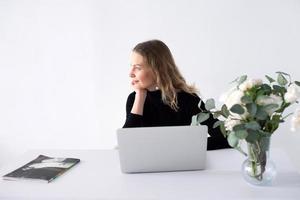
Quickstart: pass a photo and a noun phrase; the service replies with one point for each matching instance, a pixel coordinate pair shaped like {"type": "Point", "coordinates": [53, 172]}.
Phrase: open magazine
{"type": "Point", "coordinates": [42, 168]}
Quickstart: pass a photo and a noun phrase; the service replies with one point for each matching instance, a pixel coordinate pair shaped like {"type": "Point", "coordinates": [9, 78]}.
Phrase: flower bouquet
{"type": "Point", "coordinates": [252, 111]}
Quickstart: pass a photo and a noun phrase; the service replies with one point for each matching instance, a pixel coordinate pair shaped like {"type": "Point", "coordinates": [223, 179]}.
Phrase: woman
{"type": "Point", "coordinates": [161, 96]}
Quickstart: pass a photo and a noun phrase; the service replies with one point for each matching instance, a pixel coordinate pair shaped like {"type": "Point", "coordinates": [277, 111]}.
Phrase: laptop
{"type": "Point", "coordinates": [162, 149]}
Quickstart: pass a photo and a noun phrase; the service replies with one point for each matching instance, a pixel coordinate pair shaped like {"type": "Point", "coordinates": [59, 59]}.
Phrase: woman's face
{"type": "Point", "coordinates": [142, 77]}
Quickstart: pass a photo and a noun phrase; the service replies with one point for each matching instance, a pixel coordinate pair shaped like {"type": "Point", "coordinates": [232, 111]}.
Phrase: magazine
{"type": "Point", "coordinates": [42, 168]}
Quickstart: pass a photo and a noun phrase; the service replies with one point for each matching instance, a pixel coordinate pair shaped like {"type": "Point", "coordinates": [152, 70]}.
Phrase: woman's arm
{"type": "Point", "coordinates": [139, 101]}
{"type": "Point", "coordinates": [134, 114]}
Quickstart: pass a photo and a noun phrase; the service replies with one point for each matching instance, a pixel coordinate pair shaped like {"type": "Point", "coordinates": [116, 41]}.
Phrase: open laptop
{"type": "Point", "coordinates": [158, 149]}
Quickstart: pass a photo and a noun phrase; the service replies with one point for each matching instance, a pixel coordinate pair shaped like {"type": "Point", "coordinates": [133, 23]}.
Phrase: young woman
{"type": "Point", "coordinates": [161, 96]}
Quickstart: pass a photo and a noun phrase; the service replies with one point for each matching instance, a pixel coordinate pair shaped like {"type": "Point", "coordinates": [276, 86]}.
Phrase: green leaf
{"type": "Point", "coordinates": [201, 117]}
{"type": "Point", "coordinates": [200, 104]}
{"type": "Point", "coordinates": [223, 130]}
{"type": "Point", "coordinates": [253, 125]}
{"type": "Point", "coordinates": [252, 136]}
{"type": "Point", "coordinates": [246, 99]}
{"type": "Point", "coordinates": [279, 89]}
{"type": "Point", "coordinates": [271, 80]}
{"type": "Point", "coordinates": [297, 83]}
{"type": "Point", "coordinates": [261, 99]}
{"type": "Point", "coordinates": [242, 79]}
{"type": "Point", "coordinates": [283, 73]}
{"type": "Point", "coordinates": [276, 118]}
{"type": "Point", "coordinates": [194, 121]}
{"type": "Point", "coordinates": [217, 123]}
{"type": "Point", "coordinates": [281, 79]}
{"type": "Point", "coordinates": [252, 108]}
{"type": "Point", "coordinates": [266, 88]}
{"type": "Point", "coordinates": [270, 107]}
{"type": "Point", "coordinates": [238, 109]}
{"type": "Point", "coordinates": [238, 127]}
{"type": "Point", "coordinates": [271, 126]}
{"type": "Point", "coordinates": [216, 115]}
{"type": "Point", "coordinates": [233, 141]}
{"type": "Point", "coordinates": [210, 104]}
{"type": "Point", "coordinates": [260, 92]}
{"type": "Point", "coordinates": [261, 114]}
{"type": "Point", "coordinates": [235, 80]}
{"type": "Point", "coordinates": [241, 134]}
{"type": "Point", "coordinates": [225, 111]}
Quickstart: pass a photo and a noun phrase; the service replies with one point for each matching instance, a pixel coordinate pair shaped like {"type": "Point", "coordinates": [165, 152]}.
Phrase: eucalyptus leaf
{"type": "Point", "coordinates": [260, 92]}
{"type": "Point", "coordinates": [297, 83]}
{"type": "Point", "coordinates": [216, 115]}
{"type": "Point", "coordinates": [271, 80]}
{"type": "Point", "coordinates": [201, 117]}
{"type": "Point", "coordinates": [252, 136]}
{"type": "Point", "coordinates": [271, 126]}
{"type": "Point", "coordinates": [210, 104]}
{"type": "Point", "coordinates": [241, 134]}
{"type": "Point", "coordinates": [233, 141]}
{"type": "Point", "coordinates": [283, 73]}
{"type": "Point", "coordinates": [283, 107]}
{"type": "Point", "coordinates": [238, 109]}
{"type": "Point", "coordinates": [194, 121]}
{"type": "Point", "coordinates": [271, 107]}
{"type": "Point", "coordinates": [251, 108]}
{"type": "Point", "coordinates": [266, 88]}
{"type": "Point", "coordinates": [242, 79]}
{"type": "Point", "coordinates": [246, 99]}
{"type": "Point", "coordinates": [238, 127]}
{"type": "Point", "coordinates": [223, 130]}
{"type": "Point", "coordinates": [200, 104]}
{"type": "Point", "coordinates": [217, 123]}
{"type": "Point", "coordinates": [281, 80]}
{"type": "Point", "coordinates": [261, 114]}
{"type": "Point", "coordinates": [261, 99]}
{"type": "Point", "coordinates": [253, 125]}
{"type": "Point", "coordinates": [279, 89]}
{"type": "Point", "coordinates": [276, 118]}
{"type": "Point", "coordinates": [235, 80]}
{"type": "Point", "coordinates": [225, 111]}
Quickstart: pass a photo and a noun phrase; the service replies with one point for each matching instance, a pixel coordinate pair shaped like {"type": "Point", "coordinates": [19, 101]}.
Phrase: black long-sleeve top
{"type": "Point", "coordinates": [156, 113]}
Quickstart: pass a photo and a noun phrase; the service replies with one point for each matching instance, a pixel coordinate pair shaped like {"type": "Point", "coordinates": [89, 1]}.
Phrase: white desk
{"type": "Point", "coordinates": [98, 177]}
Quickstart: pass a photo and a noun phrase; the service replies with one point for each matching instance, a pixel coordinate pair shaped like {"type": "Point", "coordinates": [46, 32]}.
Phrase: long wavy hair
{"type": "Point", "coordinates": [168, 77]}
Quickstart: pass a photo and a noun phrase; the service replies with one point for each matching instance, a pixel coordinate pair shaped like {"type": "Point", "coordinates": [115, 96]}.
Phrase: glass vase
{"type": "Point", "coordinates": [258, 168]}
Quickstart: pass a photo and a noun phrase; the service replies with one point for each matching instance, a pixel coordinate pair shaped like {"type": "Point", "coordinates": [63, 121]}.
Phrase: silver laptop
{"type": "Point", "coordinates": [158, 149]}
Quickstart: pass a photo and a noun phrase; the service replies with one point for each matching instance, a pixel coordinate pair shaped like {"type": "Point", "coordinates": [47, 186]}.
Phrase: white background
{"type": "Point", "coordinates": [64, 64]}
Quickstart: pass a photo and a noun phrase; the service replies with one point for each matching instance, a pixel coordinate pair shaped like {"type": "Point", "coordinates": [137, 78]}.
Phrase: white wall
{"type": "Point", "coordinates": [64, 64]}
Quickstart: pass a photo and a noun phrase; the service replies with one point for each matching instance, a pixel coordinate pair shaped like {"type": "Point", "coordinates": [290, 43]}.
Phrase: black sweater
{"type": "Point", "coordinates": [156, 113]}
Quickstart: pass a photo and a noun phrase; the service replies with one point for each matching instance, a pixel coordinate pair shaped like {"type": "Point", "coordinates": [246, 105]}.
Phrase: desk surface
{"type": "Point", "coordinates": [98, 176]}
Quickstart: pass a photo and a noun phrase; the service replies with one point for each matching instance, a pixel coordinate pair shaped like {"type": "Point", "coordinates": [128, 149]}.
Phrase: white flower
{"type": "Point", "coordinates": [234, 98]}
{"type": "Point", "coordinates": [267, 100]}
{"type": "Point", "coordinates": [229, 123]}
{"type": "Point", "coordinates": [249, 83]}
{"type": "Point", "coordinates": [295, 122]}
{"type": "Point", "coordinates": [292, 94]}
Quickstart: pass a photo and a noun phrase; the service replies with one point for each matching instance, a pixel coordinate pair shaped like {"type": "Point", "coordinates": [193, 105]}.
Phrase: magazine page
{"type": "Point", "coordinates": [42, 168]}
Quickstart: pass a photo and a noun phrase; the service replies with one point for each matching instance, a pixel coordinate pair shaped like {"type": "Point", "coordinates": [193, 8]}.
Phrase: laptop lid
{"type": "Point", "coordinates": [158, 149]}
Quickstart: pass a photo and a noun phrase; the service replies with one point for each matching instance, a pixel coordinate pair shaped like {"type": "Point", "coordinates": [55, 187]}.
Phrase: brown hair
{"type": "Point", "coordinates": [168, 78]}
